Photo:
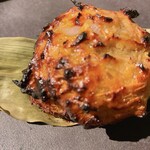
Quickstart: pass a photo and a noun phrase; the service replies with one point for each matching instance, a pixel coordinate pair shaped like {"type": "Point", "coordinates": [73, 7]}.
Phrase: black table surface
{"type": "Point", "coordinates": [26, 18]}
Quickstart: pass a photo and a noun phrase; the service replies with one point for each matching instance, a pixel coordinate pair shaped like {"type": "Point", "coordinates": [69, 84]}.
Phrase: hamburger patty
{"type": "Point", "coordinates": [90, 66]}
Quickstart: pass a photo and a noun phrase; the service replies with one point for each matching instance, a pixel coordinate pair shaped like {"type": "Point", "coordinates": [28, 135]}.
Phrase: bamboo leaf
{"type": "Point", "coordinates": [15, 54]}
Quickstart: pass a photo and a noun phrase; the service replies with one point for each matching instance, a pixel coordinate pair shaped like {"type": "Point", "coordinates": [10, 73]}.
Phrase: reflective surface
{"type": "Point", "coordinates": [26, 18]}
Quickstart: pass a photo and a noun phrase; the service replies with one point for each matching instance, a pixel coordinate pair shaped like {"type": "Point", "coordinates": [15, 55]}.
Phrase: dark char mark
{"type": "Point", "coordinates": [108, 56]}
{"type": "Point", "coordinates": [146, 39]}
{"type": "Point", "coordinates": [46, 27]}
{"type": "Point", "coordinates": [69, 73]}
{"type": "Point", "coordinates": [61, 64]}
{"type": "Point", "coordinates": [25, 79]}
{"type": "Point", "coordinates": [107, 19]}
{"type": "Point", "coordinates": [141, 66]}
{"type": "Point", "coordinates": [78, 4]}
{"type": "Point", "coordinates": [77, 22]}
{"type": "Point", "coordinates": [44, 95]}
{"type": "Point", "coordinates": [99, 44]}
{"type": "Point", "coordinates": [80, 38]}
{"type": "Point", "coordinates": [92, 123]}
{"type": "Point", "coordinates": [85, 107]}
{"type": "Point", "coordinates": [49, 33]}
{"type": "Point", "coordinates": [42, 55]}
{"type": "Point", "coordinates": [131, 13]}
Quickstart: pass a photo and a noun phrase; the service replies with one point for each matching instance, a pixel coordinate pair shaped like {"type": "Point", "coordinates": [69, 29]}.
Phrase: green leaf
{"type": "Point", "coordinates": [15, 54]}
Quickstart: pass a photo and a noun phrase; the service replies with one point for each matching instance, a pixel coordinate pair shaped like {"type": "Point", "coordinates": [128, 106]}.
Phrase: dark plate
{"type": "Point", "coordinates": [26, 18]}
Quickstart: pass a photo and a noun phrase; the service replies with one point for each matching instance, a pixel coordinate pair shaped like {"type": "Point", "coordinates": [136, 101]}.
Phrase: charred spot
{"type": "Point", "coordinates": [78, 4]}
{"type": "Point", "coordinates": [77, 21]}
{"type": "Point", "coordinates": [107, 19]}
{"type": "Point", "coordinates": [26, 75]}
{"type": "Point", "coordinates": [16, 82]}
{"type": "Point", "coordinates": [59, 18]}
{"type": "Point", "coordinates": [87, 57]}
{"type": "Point", "coordinates": [131, 13]}
{"type": "Point", "coordinates": [25, 79]}
{"type": "Point", "coordinates": [49, 33]}
{"type": "Point", "coordinates": [40, 90]}
{"type": "Point", "coordinates": [42, 55]}
{"type": "Point", "coordinates": [53, 94]}
{"type": "Point", "coordinates": [141, 66]}
{"type": "Point", "coordinates": [99, 44]}
{"type": "Point", "coordinates": [61, 64]}
{"type": "Point", "coordinates": [69, 73]}
{"type": "Point", "coordinates": [146, 39]}
{"type": "Point", "coordinates": [44, 95]}
{"type": "Point", "coordinates": [24, 71]}
{"type": "Point", "coordinates": [92, 123]}
{"type": "Point", "coordinates": [65, 42]}
{"type": "Point", "coordinates": [68, 102]}
{"type": "Point", "coordinates": [108, 56]}
{"type": "Point", "coordinates": [85, 107]}
{"type": "Point", "coordinates": [46, 27]}
{"type": "Point", "coordinates": [32, 93]}
{"type": "Point", "coordinates": [80, 38]}
{"type": "Point", "coordinates": [148, 54]}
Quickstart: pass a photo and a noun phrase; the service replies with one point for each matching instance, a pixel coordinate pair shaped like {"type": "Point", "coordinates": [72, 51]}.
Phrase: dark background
{"type": "Point", "coordinates": [26, 18]}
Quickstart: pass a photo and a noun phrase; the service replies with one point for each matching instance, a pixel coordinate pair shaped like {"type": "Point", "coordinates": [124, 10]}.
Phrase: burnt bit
{"type": "Point", "coordinates": [16, 82]}
{"type": "Point", "coordinates": [68, 103]}
{"type": "Point", "coordinates": [92, 123]}
{"type": "Point", "coordinates": [32, 93]}
{"type": "Point", "coordinates": [130, 12]}
{"type": "Point", "coordinates": [80, 38]}
{"type": "Point", "coordinates": [77, 21]}
{"type": "Point", "coordinates": [78, 4]}
{"type": "Point", "coordinates": [148, 54]}
{"type": "Point", "coordinates": [61, 64]}
{"type": "Point", "coordinates": [42, 55]}
{"type": "Point", "coordinates": [46, 27]}
{"type": "Point", "coordinates": [85, 107]}
{"type": "Point", "coordinates": [107, 19]}
{"type": "Point", "coordinates": [44, 96]}
{"type": "Point", "coordinates": [25, 79]}
{"type": "Point", "coordinates": [53, 95]}
{"type": "Point", "coordinates": [141, 66]}
{"type": "Point", "coordinates": [65, 42]}
{"type": "Point", "coordinates": [108, 56]}
{"type": "Point", "coordinates": [99, 44]}
{"type": "Point", "coordinates": [49, 33]}
{"type": "Point", "coordinates": [69, 73]}
{"type": "Point", "coordinates": [146, 39]}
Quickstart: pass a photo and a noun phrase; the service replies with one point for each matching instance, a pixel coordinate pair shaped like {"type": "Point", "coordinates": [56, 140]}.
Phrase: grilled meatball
{"type": "Point", "coordinates": [90, 66]}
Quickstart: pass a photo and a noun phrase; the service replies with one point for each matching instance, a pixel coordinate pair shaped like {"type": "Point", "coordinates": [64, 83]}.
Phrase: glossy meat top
{"type": "Point", "coordinates": [91, 66]}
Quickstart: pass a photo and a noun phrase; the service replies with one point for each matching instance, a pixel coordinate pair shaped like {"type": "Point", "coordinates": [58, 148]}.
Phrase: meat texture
{"type": "Point", "coordinates": [90, 66]}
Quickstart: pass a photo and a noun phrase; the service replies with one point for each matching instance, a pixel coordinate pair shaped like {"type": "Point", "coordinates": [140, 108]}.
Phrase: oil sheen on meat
{"type": "Point", "coordinates": [90, 66]}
